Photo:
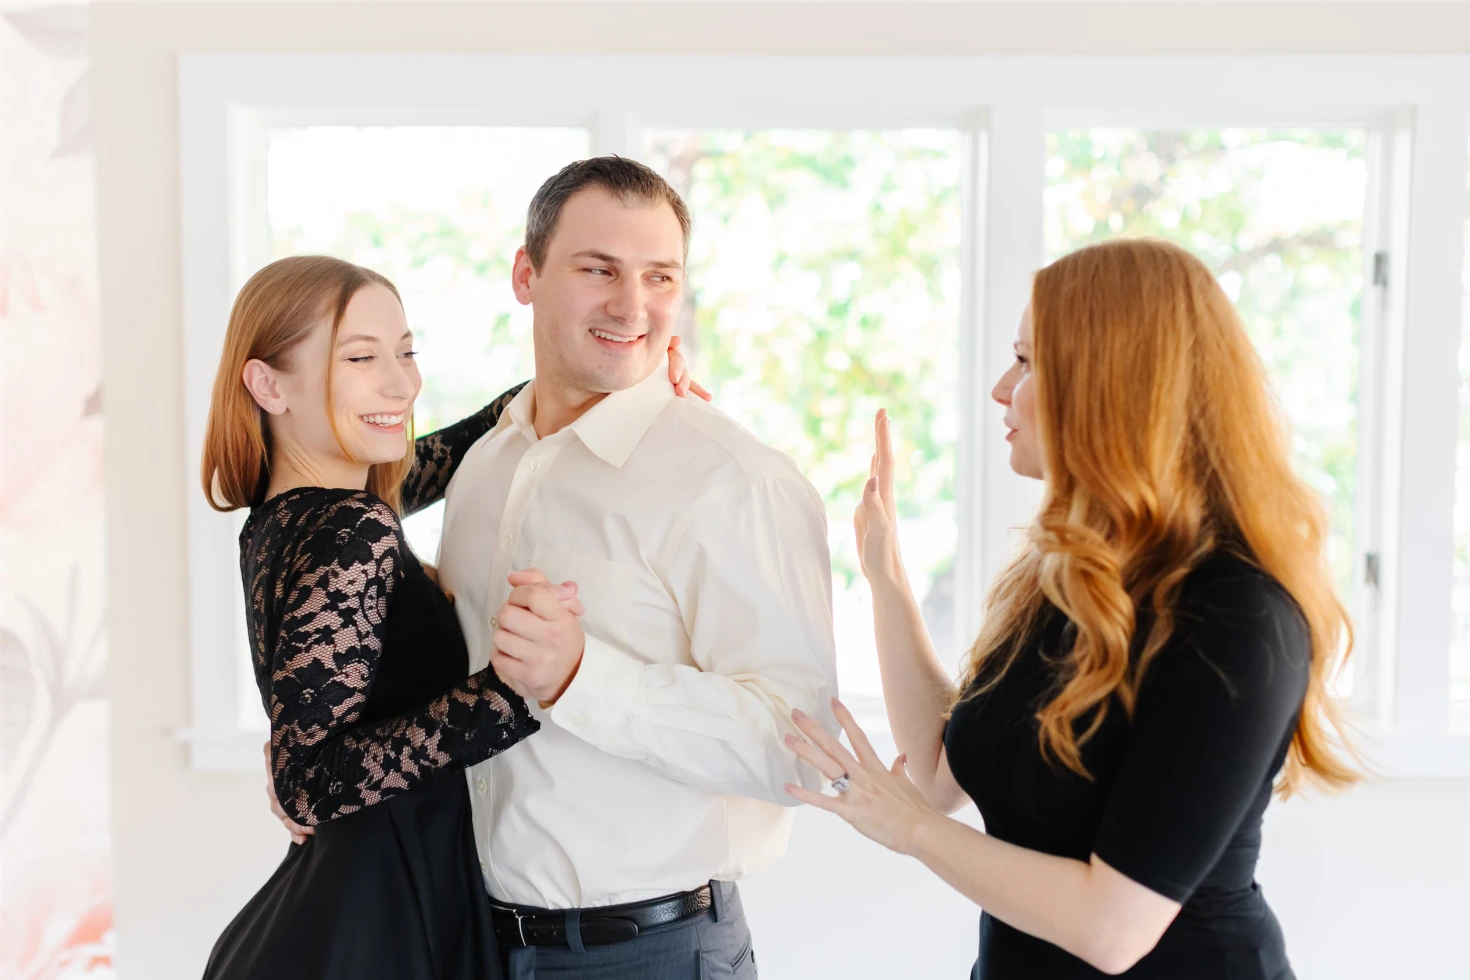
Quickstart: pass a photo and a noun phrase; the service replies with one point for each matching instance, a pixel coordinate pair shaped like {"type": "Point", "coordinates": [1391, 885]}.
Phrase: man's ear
{"type": "Point", "coordinates": [264, 386]}
{"type": "Point", "coordinates": [520, 276]}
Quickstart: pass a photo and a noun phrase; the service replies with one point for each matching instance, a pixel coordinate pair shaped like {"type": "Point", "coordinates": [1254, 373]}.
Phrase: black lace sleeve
{"type": "Point", "coordinates": [437, 455]}
{"type": "Point", "coordinates": [325, 765]}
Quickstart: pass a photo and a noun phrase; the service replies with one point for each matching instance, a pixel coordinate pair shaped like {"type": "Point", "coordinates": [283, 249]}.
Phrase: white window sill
{"type": "Point", "coordinates": [1418, 755]}
{"type": "Point", "coordinates": [229, 751]}
{"type": "Point", "coordinates": [1391, 755]}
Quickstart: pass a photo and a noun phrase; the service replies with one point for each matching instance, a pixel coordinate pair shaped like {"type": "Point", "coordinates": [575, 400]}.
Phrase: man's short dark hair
{"type": "Point", "coordinates": [627, 180]}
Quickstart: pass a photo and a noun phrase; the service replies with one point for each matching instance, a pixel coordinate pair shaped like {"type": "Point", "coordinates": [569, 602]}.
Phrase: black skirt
{"type": "Point", "coordinates": [391, 891]}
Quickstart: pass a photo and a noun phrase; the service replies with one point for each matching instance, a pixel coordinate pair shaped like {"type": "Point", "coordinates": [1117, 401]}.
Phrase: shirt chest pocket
{"type": "Point", "coordinates": [605, 588]}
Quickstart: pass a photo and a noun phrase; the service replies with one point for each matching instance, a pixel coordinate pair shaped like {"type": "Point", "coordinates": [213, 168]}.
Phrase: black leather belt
{"type": "Point", "coordinates": [522, 925]}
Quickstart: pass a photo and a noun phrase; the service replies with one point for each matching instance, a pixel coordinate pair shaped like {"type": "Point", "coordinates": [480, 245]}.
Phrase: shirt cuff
{"type": "Point", "coordinates": [596, 704]}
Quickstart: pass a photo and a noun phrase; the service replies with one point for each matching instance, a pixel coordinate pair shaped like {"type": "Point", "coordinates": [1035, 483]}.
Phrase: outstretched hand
{"type": "Point", "coordinates": [880, 802]}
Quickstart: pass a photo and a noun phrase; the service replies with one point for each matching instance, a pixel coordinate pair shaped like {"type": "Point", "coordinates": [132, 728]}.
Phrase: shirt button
{"type": "Point", "coordinates": [484, 867]}
{"type": "Point", "coordinates": [482, 786]}
{"type": "Point", "coordinates": [505, 542]}
{"type": "Point", "coordinates": [580, 718]}
{"type": "Point", "coordinates": [535, 465]}
{"type": "Point", "coordinates": [494, 623]}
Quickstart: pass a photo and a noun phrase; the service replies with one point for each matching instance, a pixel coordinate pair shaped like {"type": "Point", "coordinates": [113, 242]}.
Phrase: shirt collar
{"type": "Point", "coordinates": [520, 411]}
{"type": "Point", "coordinates": [613, 427]}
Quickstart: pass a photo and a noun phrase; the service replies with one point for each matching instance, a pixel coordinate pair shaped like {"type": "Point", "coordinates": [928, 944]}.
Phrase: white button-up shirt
{"type": "Point", "coordinates": [701, 560]}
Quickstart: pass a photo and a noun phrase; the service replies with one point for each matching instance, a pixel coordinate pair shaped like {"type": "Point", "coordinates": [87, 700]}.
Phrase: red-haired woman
{"type": "Point", "coordinates": [359, 659]}
{"type": "Point", "coordinates": [1151, 663]}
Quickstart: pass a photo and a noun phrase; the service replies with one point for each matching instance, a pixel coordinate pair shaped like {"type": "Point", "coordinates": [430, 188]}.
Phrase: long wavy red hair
{"type": "Point", "coordinates": [1161, 443]}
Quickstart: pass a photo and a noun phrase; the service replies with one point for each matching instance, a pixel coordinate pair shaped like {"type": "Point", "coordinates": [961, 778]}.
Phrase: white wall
{"type": "Point", "coordinates": [1374, 884]}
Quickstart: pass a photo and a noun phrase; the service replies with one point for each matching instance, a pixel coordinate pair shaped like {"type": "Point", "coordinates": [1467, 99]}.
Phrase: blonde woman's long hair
{"type": "Point", "coordinates": [273, 314]}
{"type": "Point", "coordinates": [1161, 444]}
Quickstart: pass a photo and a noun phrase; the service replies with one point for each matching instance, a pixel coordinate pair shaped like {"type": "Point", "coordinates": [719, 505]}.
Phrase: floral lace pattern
{"type": "Point", "coordinates": [320, 568]}
{"type": "Point", "coordinates": [437, 455]}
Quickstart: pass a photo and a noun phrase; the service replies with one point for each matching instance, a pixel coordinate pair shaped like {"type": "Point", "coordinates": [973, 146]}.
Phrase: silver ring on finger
{"type": "Point", "coordinates": [841, 783]}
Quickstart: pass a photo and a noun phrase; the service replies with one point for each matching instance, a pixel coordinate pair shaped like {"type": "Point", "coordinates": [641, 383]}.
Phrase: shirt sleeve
{"type": "Point", "coordinates": [1213, 720]}
{"type": "Point", "coordinates": [324, 763]}
{"type": "Point", "coordinates": [752, 577]}
{"type": "Point", "coordinates": [437, 455]}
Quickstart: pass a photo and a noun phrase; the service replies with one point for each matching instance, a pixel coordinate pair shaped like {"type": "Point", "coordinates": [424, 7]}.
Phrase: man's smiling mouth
{"type": "Point", "coordinates": [615, 338]}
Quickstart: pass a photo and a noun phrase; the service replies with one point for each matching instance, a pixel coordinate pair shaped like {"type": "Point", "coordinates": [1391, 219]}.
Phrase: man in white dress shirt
{"type": "Point", "coordinates": [611, 839]}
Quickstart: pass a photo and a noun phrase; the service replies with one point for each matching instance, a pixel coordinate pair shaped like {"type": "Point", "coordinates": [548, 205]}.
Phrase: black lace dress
{"type": "Point", "coordinates": [362, 668]}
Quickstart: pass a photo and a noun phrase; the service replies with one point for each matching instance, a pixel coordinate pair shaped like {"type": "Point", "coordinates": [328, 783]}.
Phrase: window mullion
{"type": "Point", "coordinates": [617, 132]}
{"type": "Point", "coordinates": [1431, 275]}
{"type": "Point", "coordinates": [1012, 252]}
{"type": "Point", "coordinates": [1379, 331]}
{"type": "Point", "coordinates": [970, 453]}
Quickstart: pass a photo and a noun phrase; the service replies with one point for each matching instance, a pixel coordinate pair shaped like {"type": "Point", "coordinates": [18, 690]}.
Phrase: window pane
{"type": "Point", "coordinates": [1278, 216]}
{"type": "Point", "coordinates": [440, 211]}
{"type": "Point", "coordinates": [824, 284]}
{"type": "Point", "coordinates": [1460, 602]}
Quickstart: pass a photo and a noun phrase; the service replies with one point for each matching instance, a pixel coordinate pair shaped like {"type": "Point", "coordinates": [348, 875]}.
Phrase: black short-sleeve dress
{"type": "Point", "coordinates": [1176, 796]}
{"type": "Point", "coordinates": [363, 672]}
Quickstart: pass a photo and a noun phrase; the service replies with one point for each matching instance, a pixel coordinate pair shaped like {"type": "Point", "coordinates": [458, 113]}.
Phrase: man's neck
{"type": "Point", "coordinates": [558, 406]}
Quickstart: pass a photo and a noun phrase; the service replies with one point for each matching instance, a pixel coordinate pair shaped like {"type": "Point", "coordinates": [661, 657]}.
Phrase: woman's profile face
{"type": "Point", "coordinates": [374, 383]}
{"type": "Point", "coordinates": [1016, 390]}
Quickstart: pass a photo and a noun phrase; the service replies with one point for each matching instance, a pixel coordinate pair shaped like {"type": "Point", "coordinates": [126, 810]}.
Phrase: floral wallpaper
{"type": "Point", "coordinates": [55, 852]}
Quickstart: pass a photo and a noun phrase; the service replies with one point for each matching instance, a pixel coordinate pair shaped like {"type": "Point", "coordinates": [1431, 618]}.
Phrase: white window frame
{"type": "Point", "coordinates": [1416, 107]}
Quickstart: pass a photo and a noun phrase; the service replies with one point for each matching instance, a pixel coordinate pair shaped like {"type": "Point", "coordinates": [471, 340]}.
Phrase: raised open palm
{"type": "Point", "coordinates": [875, 521]}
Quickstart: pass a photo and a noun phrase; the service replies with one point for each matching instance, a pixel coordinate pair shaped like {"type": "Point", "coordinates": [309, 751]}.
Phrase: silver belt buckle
{"type": "Point", "coordinates": [520, 919]}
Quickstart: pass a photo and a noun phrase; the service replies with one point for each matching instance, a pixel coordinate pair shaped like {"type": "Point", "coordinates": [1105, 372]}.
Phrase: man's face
{"type": "Point", "coordinates": [607, 295]}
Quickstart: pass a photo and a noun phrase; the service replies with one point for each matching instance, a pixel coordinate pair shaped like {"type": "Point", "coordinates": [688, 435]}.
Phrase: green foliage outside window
{"type": "Point", "coordinates": [824, 285]}
{"type": "Point", "coordinates": [1278, 216]}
